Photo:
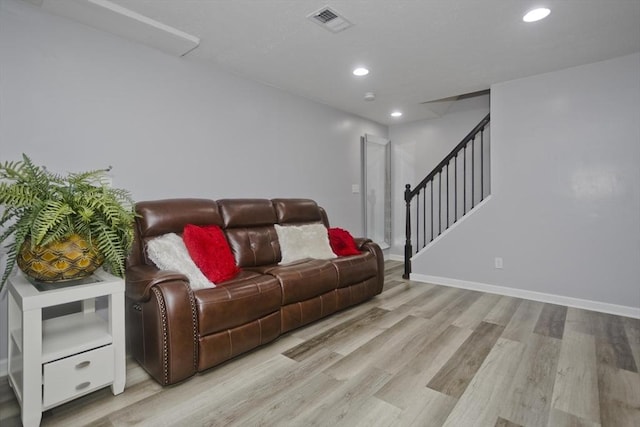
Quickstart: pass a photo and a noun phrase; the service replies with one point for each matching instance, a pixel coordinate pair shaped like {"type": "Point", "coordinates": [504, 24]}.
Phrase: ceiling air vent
{"type": "Point", "coordinates": [330, 19]}
{"type": "Point", "coordinates": [325, 16]}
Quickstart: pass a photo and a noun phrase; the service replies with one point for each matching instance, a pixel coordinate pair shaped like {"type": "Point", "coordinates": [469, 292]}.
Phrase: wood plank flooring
{"type": "Point", "coordinates": [416, 355]}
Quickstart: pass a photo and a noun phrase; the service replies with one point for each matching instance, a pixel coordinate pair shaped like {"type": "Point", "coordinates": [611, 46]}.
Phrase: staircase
{"type": "Point", "coordinates": [454, 187]}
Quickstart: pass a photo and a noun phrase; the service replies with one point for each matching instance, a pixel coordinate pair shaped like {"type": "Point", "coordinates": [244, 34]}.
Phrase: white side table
{"type": "Point", "coordinates": [59, 359]}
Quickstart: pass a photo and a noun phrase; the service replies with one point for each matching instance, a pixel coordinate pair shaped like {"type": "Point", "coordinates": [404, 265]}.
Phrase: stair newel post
{"type": "Point", "coordinates": [408, 250]}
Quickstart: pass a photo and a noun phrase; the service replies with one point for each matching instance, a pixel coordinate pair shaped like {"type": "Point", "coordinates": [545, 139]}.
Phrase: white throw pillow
{"type": "Point", "coordinates": [168, 252]}
{"type": "Point", "coordinates": [303, 241]}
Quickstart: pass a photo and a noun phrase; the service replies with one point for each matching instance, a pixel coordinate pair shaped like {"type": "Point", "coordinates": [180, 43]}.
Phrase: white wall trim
{"type": "Point", "coordinates": [4, 368]}
{"type": "Point", "coordinates": [452, 226]}
{"type": "Point", "coordinates": [397, 257]}
{"type": "Point", "coordinates": [125, 23]}
{"type": "Point", "coordinates": [619, 310]}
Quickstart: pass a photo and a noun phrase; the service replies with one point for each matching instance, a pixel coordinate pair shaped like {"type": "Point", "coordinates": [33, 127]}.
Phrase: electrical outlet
{"type": "Point", "coordinates": [355, 188]}
{"type": "Point", "coordinates": [498, 262]}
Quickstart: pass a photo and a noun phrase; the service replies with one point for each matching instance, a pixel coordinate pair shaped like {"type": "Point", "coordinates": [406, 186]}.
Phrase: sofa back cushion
{"type": "Point", "coordinates": [296, 211]}
{"type": "Point", "coordinates": [246, 212]}
{"type": "Point", "coordinates": [170, 216]}
{"type": "Point", "coordinates": [160, 217]}
{"type": "Point", "coordinates": [248, 225]}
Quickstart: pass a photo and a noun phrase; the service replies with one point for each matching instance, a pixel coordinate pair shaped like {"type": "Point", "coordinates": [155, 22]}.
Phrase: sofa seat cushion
{"type": "Point", "coordinates": [355, 268]}
{"type": "Point", "coordinates": [303, 279]}
{"type": "Point", "coordinates": [245, 298]}
{"type": "Point", "coordinates": [215, 348]}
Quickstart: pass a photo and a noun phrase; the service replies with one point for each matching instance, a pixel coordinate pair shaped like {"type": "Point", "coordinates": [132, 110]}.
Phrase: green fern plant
{"type": "Point", "coordinates": [44, 207]}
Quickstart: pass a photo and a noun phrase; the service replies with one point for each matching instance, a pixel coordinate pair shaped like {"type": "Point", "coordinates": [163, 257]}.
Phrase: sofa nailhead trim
{"type": "Point", "coordinates": [163, 315]}
{"type": "Point", "coordinates": [194, 325]}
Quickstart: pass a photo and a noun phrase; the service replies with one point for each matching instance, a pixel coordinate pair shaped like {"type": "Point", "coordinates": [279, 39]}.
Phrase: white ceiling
{"type": "Point", "coordinates": [417, 50]}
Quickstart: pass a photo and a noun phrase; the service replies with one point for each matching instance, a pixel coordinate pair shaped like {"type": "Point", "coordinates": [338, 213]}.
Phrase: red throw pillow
{"type": "Point", "coordinates": [342, 242]}
{"type": "Point", "coordinates": [210, 251]}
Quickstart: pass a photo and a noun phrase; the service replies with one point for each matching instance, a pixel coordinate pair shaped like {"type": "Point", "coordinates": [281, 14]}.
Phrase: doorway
{"type": "Point", "coordinates": [376, 191]}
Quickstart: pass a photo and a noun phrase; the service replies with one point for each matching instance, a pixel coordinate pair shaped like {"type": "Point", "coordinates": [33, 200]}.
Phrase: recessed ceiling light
{"type": "Point", "coordinates": [360, 71]}
{"type": "Point", "coordinates": [536, 14]}
{"type": "Point", "coordinates": [396, 114]}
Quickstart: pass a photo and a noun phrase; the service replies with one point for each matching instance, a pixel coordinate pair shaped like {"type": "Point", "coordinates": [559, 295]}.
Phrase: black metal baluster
{"type": "Point", "coordinates": [431, 210]}
{"type": "Point", "coordinates": [455, 188]}
{"type": "Point", "coordinates": [424, 217]}
{"type": "Point", "coordinates": [473, 172]}
{"type": "Point", "coordinates": [440, 202]}
{"type": "Point", "coordinates": [482, 164]}
{"type": "Point", "coordinates": [447, 196]}
{"type": "Point", "coordinates": [418, 221]}
{"type": "Point", "coordinates": [464, 181]}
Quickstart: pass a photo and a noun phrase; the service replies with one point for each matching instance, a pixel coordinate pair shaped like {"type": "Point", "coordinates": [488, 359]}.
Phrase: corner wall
{"type": "Point", "coordinates": [74, 99]}
{"type": "Point", "coordinates": [565, 207]}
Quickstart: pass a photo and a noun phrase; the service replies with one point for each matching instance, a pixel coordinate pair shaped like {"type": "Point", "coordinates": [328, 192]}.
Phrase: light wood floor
{"type": "Point", "coordinates": [417, 354]}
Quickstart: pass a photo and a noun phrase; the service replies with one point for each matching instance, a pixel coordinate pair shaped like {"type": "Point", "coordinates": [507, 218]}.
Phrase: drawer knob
{"type": "Point", "coordinates": [83, 385]}
{"type": "Point", "coordinates": [83, 364]}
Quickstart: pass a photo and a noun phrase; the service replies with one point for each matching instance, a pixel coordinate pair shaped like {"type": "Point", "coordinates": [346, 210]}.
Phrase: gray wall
{"type": "Point", "coordinates": [75, 99]}
{"type": "Point", "coordinates": [565, 207]}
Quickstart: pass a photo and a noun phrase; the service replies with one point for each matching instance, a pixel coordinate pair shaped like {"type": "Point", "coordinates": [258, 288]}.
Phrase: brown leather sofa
{"type": "Point", "coordinates": [174, 331]}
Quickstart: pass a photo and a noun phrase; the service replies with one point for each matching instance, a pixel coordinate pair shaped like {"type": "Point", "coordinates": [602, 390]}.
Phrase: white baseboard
{"type": "Point", "coordinates": [394, 257]}
{"type": "Point", "coordinates": [4, 369]}
{"type": "Point", "coordinates": [619, 310]}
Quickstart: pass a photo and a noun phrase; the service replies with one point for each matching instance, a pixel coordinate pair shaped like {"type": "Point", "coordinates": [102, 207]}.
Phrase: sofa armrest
{"type": "Point", "coordinates": [176, 337]}
{"type": "Point", "coordinates": [361, 241]}
{"type": "Point", "coordinates": [364, 244]}
{"type": "Point", "coordinates": [162, 323]}
{"type": "Point", "coordinates": [141, 278]}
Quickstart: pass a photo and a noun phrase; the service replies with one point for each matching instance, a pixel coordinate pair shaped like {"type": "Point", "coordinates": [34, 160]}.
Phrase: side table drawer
{"type": "Point", "coordinates": [73, 376]}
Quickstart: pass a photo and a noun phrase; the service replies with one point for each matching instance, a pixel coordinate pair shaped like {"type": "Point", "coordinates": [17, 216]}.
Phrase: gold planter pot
{"type": "Point", "coordinates": [69, 259]}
